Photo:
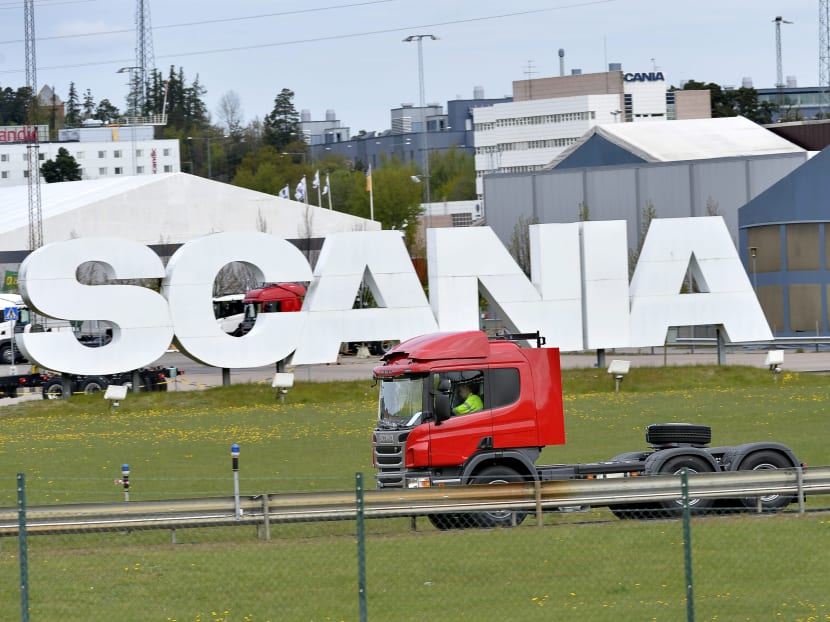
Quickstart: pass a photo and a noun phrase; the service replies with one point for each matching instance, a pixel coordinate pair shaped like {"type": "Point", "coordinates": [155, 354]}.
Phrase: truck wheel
{"type": "Point", "coordinates": [692, 464]}
{"type": "Point", "coordinates": [95, 384]}
{"type": "Point", "coordinates": [663, 434]}
{"type": "Point", "coordinates": [496, 518]}
{"type": "Point", "coordinates": [52, 389]}
{"type": "Point", "coordinates": [6, 354]}
{"type": "Point", "coordinates": [759, 461]}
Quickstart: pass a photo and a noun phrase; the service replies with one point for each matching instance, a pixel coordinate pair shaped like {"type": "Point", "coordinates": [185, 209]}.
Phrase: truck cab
{"type": "Point", "coordinates": [275, 298]}
{"type": "Point", "coordinates": [422, 432]}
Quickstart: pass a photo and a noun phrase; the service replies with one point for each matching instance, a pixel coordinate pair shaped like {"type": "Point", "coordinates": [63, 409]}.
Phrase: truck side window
{"type": "Point", "coordinates": [504, 387]}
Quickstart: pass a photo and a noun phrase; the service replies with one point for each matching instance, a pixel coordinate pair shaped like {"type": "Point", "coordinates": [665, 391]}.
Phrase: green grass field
{"type": "Point", "coordinates": [581, 566]}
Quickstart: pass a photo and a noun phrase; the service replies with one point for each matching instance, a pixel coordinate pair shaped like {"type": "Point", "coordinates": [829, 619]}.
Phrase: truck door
{"type": "Point", "coordinates": [469, 427]}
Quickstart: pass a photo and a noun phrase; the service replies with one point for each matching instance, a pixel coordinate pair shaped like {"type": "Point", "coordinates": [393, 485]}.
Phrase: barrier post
{"type": "Point", "coordinates": [235, 467]}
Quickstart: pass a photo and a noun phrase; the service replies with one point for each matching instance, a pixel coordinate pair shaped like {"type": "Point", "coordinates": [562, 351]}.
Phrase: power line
{"type": "Point", "coordinates": [331, 37]}
{"type": "Point", "coordinates": [222, 20]}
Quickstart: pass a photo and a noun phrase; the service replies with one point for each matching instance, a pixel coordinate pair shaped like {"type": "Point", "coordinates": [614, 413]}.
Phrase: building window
{"type": "Point", "coordinates": [41, 156]}
{"type": "Point", "coordinates": [81, 172]}
{"type": "Point", "coordinates": [116, 153]}
{"type": "Point", "coordinates": [168, 168]}
{"type": "Point", "coordinates": [139, 170]}
{"type": "Point", "coordinates": [4, 175]}
{"type": "Point", "coordinates": [102, 154]}
{"type": "Point", "coordinates": [4, 157]}
{"type": "Point", "coordinates": [139, 153]}
{"type": "Point", "coordinates": [119, 170]}
{"type": "Point", "coordinates": [79, 155]}
{"type": "Point", "coordinates": [165, 152]}
{"type": "Point", "coordinates": [102, 170]}
{"type": "Point", "coordinates": [26, 173]}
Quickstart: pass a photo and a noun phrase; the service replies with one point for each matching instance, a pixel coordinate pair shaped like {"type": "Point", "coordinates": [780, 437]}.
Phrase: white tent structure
{"type": "Point", "coordinates": [689, 139]}
{"type": "Point", "coordinates": [162, 209]}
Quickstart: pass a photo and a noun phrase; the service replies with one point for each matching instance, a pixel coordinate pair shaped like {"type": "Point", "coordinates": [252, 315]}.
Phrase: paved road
{"type": "Point", "coordinates": [198, 376]}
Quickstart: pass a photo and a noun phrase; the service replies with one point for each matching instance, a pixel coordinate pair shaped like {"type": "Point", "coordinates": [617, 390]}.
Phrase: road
{"type": "Point", "coordinates": [197, 376]}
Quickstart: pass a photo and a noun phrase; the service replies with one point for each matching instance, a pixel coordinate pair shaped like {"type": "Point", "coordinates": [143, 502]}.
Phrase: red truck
{"type": "Point", "coordinates": [420, 441]}
{"type": "Point", "coordinates": [275, 298]}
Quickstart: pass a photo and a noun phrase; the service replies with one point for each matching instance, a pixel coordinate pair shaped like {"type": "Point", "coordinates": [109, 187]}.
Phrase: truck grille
{"type": "Point", "coordinates": [389, 457]}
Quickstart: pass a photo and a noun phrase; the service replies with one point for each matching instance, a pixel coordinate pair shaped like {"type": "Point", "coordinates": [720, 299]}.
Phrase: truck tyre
{"type": "Point", "coordinates": [667, 434]}
{"type": "Point", "coordinates": [632, 510]}
{"type": "Point", "coordinates": [6, 354]}
{"type": "Point", "coordinates": [52, 389]}
{"type": "Point", "coordinates": [759, 461]}
{"type": "Point", "coordinates": [93, 384]}
{"type": "Point", "coordinates": [495, 518]}
{"type": "Point", "coordinates": [693, 464]}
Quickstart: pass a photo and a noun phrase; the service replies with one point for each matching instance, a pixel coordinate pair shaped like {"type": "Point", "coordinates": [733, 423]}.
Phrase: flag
{"type": "Point", "coordinates": [416, 179]}
{"type": "Point", "coordinates": [299, 193]}
{"type": "Point", "coordinates": [284, 193]}
{"type": "Point", "coordinates": [327, 187]}
{"type": "Point", "coordinates": [315, 183]}
{"type": "Point", "coordinates": [369, 179]}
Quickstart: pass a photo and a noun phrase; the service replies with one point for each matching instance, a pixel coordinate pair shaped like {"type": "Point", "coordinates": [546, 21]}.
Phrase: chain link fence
{"type": "Point", "coordinates": [578, 563]}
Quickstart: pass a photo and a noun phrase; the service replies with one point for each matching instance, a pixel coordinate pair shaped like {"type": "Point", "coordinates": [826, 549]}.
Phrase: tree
{"type": "Point", "coordinates": [282, 124]}
{"type": "Point", "coordinates": [230, 113]}
{"type": "Point", "coordinates": [106, 112]}
{"type": "Point", "coordinates": [452, 176]}
{"type": "Point", "coordinates": [73, 108]}
{"type": "Point", "coordinates": [519, 245]}
{"type": "Point", "coordinates": [88, 105]}
{"type": "Point", "coordinates": [648, 214]}
{"type": "Point", "coordinates": [733, 102]}
{"type": "Point", "coordinates": [62, 168]}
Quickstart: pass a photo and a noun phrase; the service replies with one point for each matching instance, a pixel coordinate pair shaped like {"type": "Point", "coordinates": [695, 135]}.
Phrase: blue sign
{"type": "Point", "coordinates": [10, 314]}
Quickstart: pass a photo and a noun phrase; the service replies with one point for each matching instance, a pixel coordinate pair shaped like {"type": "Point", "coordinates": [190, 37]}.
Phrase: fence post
{"type": "Point", "coordinates": [23, 547]}
{"type": "Point", "coordinates": [361, 547]}
{"type": "Point", "coordinates": [687, 545]}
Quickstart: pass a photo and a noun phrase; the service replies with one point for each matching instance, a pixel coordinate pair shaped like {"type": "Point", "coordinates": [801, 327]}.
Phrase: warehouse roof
{"type": "Point", "coordinates": [167, 208]}
{"type": "Point", "coordinates": [672, 141]}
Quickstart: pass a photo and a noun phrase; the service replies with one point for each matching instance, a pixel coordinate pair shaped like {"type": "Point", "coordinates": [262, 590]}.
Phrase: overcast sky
{"type": "Point", "coordinates": [348, 55]}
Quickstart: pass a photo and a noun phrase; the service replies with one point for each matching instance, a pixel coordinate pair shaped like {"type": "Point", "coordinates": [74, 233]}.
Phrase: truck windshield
{"type": "Point", "coordinates": [401, 402]}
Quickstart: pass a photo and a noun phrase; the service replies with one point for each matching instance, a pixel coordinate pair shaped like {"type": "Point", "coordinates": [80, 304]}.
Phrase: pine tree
{"type": "Point", "coordinates": [63, 168]}
{"type": "Point", "coordinates": [73, 108]}
{"type": "Point", "coordinates": [88, 105]}
{"type": "Point", "coordinates": [282, 125]}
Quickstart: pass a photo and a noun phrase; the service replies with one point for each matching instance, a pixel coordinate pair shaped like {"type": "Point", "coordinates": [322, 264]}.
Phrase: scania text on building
{"type": "Point", "coordinates": [646, 76]}
{"type": "Point", "coordinates": [578, 295]}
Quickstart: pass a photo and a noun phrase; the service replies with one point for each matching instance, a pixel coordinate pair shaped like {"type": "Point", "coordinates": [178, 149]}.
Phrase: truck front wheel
{"type": "Point", "coordinates": [759, 461]}
{"type": "Point", "coordinates": [692, 464]}
{"type": "Point", "coordinates": [497, 518]}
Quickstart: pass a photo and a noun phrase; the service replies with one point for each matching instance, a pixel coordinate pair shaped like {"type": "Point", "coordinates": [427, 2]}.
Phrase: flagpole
{"type": "Point", "coordinates": [319, 199]}
{"type": "Point", "coordinates": [328, 187]}
{"type": "Point", "coordinates": [371, 196]}
{"type": "Point", "coordinates": [305, 191]}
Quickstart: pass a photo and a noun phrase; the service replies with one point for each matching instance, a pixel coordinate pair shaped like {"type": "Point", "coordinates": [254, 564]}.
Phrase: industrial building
{"type": "Point", "coordinates": [547, 115]}
{"type": "Point", "coordinates": [106, 151]}
{"type": "Point", "coordinates": [785, 246]}
{"type": "Point", "coordinates": [685, 168]}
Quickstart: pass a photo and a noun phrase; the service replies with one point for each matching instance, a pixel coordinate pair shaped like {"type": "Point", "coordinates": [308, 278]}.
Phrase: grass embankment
{"type": "Point", "coordinates": [177, 445]}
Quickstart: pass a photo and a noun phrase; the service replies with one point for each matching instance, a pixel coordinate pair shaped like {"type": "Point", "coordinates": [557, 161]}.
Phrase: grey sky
{"type": "Point", "coordinates": [348, 55]}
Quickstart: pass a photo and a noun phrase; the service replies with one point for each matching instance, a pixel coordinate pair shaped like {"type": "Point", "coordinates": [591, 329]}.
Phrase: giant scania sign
{"type": "Point", "coordinates": [578, 296]}
{"type": "Point", "coordinates": [646, 76]}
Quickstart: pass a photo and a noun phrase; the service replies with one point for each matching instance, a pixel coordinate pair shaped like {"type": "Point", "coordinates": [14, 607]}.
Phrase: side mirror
{"type": "Point", "coordinates": [442, 407]}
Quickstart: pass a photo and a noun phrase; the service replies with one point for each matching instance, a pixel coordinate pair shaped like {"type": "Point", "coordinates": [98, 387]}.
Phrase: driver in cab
{"type": "Point", "coordinates": [470, 402]}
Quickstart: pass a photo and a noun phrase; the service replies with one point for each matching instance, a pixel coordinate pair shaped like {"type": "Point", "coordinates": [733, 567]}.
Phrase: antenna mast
{"type": "Point", "coordinates": [32, 148]}
{"type": "Point", "coordinates": [145, 58]}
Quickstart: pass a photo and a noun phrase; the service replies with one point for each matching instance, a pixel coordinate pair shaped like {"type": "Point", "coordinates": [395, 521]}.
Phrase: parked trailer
{"type": "Point", "coordinates": [430, 432]}
{"type": "Point", "coordinates": [150, 379]}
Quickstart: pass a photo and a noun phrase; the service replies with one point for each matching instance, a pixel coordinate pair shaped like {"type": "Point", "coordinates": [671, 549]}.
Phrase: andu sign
{"type": "Point", "coordinates": [578, 296]}
{"type": "Point", "coordinates": [649, 76]}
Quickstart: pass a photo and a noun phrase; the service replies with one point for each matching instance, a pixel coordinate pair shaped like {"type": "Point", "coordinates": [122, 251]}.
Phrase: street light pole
{"type": "Point", "coordinates": [424, 137]}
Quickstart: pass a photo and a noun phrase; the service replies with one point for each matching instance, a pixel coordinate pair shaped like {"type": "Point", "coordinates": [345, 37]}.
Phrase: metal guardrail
{"type": "Point", "coordinates": [529, 497]}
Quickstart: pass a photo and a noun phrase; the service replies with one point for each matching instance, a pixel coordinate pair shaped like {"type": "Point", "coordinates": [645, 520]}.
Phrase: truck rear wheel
{"type": "Point", "coordinates": [52, 389]}
{"type": "Point", "coordinates": [445, 522]}
{"type": "Point", "coordinates": [692, 464]}
{"type": "Point", "coordinates": [6, 354]}
{"type": "Point", "coordinates": [759, 461]}
{"type": "Point", "coordinates": [95, 384]}
{"type": "Point", "coordinates": [497, 518]}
